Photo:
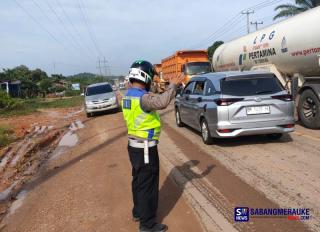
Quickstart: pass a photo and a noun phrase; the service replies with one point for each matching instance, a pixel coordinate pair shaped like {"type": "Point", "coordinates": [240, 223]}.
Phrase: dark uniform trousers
{"type": "Point", "coordinates": [145, 184]}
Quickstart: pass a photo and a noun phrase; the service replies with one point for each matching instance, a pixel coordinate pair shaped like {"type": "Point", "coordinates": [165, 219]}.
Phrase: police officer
{"type": "Point", "coordinates": [143, 122]}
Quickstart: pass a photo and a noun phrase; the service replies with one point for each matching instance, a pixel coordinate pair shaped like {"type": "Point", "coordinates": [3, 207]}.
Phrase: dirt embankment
{"type": "Point", "coordinates": [37, 136]}
{"type": "Point", "coordinates": [23, 125]}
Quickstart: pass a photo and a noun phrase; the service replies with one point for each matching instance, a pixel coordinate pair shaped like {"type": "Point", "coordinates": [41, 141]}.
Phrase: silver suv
{"type": "Point", "coordinates": [231, 104]}
{"type": "Point", "coordinates": [100, 97]}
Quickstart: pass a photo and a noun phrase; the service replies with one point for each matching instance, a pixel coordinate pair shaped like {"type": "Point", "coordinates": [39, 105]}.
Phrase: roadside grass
{"type": "Point", "coordinates": [6, 136]}
{"type": "Point", "coordinates": [32, 105]}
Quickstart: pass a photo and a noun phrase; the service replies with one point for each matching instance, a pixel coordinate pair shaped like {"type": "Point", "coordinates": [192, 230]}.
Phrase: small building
{"type": "Point", "coordinates": [75, 86]}
{"type": "Point", "coordinates": [13, 88]}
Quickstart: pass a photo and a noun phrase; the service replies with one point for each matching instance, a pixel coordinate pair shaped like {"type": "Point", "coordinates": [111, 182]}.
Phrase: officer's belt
{"type": "Point", "coordinates": [141, 143]}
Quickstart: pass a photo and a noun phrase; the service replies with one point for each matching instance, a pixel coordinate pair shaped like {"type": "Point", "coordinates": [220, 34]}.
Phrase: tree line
{"type": "Point", "coordinates": [33, 82]}
{"type": "Point", "coordinates": [38, 83]}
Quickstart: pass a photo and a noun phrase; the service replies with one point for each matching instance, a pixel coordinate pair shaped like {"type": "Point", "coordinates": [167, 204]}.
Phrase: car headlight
{"type": "Point", "coordinates": [88, 102]}
{"type": "Point", "coordinates": [113, 99]}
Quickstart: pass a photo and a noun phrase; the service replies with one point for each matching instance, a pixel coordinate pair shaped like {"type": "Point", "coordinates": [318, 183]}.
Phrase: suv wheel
{"type": "Point", "coordinates": [178, 118]}
{"type": "Point", "coordinates": [205, 132]}
{"type": "Point", "coordinates": [274, 136]}
{"type": "Point", "coordinates": [89, 115]}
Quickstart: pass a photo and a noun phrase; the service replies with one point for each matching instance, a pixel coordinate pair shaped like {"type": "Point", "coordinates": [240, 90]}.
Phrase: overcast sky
{"type": "Point", "coordinates": [74, 34]}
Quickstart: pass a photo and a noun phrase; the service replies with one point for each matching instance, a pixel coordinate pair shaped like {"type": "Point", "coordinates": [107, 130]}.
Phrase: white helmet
{"type": "Point", "coordinates": [141, 70]}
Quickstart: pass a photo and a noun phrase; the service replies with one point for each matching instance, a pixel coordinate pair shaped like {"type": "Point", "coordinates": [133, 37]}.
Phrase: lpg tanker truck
{"type": "Point", "coordinates": [291, 50]}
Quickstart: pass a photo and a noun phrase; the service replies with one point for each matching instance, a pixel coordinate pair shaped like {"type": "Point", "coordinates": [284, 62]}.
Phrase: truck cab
{"type": "Point", "coordinates": [191, 69]}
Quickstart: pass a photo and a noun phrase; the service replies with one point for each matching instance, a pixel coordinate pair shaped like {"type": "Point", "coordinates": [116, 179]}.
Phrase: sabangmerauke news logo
{"type": "Point", "coordinates": [243, 214]}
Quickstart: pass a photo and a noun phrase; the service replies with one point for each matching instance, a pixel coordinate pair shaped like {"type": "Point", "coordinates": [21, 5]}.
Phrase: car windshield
{"type": "Point", "coordinates": [250, 86]}
{"type": "Point", "coordinates": [198, 68]}
{"type": "Point", "coordinates": [99, 89]}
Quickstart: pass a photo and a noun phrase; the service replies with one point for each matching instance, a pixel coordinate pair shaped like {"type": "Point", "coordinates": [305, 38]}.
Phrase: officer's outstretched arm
{"type": "Point", "coordinates": [151, 102]}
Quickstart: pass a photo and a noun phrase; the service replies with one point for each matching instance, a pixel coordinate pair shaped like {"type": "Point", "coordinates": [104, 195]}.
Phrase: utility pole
{"type": "Point", "coordinates": [103, 67]}
{"type": "Point", "coordinates": [99, 67]}
{"type": "Point", "coordinates": [54, 68]}
{"type": "Point", "coordinates": [106, 67]}
{"type": "Point", "coordinates": [248, 12]}
{"type": "Point", "coordinates": [256, 23]}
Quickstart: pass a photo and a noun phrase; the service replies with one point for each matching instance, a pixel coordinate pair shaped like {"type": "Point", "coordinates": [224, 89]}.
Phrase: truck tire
{"type": "Point", "coordinates": [309, 109]}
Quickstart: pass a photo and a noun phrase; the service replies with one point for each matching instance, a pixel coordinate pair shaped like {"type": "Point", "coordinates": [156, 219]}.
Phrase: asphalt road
{"type": "Point", "coordinates": [86, 186]}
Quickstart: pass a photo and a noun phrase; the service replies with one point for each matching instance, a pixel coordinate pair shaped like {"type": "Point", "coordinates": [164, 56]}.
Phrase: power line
{"type": "Point", "coordinates": [229, 23]}
{"type": "Point", "coordinates": [265, 4]}
{"type": "Point", "coordinates": [90, 26]}
{"type": "Point", "coordinates": [42, 11]}
{"type": "Point", "coordinates": [228, 28]}
{"type": "Point", "coordinates": [234, 21]}
{"type": "Point", "coordinates": [222, 37]}
{"type": "Point", "coordinates": [90, 31]}
{"type": "Point", "coordinates": [243, 28]}
{"type": "Point", "coordinates": [261, 4]}
{"type": "Point", "coordinates": [71, 38]}
{"type": "Point", "coordinates": [40, 25]}
{"type": "Point", "coordinates": [74, 27]}
{"type": "Point", "coordinates": [46, 16]}
{"type": "Point", "coordinates": [75, 65]}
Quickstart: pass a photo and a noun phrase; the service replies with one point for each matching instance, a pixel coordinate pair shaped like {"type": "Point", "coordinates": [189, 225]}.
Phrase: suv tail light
{"type": "Point", "coordinates": [288, 126]}
{"type": "Point", "coordinates": [284, 97]}
{"type": "Point", "coordinates": [226, 130]}
{"type": "Point", "coordinates": [227, 101]}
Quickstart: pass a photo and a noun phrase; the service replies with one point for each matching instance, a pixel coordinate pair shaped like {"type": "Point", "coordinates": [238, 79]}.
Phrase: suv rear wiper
{"type": "Point", "coordinates": [264, 92]}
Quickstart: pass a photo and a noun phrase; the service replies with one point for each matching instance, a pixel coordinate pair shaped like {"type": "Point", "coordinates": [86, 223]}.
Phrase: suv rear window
{"type": "Point", "coordinates": [99, 89]}
{"type": "Point", "coordinates": [249, 86]}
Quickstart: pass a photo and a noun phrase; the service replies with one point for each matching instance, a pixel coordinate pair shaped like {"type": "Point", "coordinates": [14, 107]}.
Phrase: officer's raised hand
{"type": "Point", "coordinates": [177, 80]}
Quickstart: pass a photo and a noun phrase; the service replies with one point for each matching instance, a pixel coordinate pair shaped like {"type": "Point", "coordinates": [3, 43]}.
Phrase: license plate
{"type": "Point", "coordinates": [251, 110]}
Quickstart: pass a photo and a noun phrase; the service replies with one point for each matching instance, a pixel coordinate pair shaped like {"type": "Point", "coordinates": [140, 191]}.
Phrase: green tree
{"type": "Point", "coordinates": [21, 72]}
{"type": "Point", "coordinates": [287, 10]}
{"type": "Point", "coordinates": [29, 89]}
{"type": "Point", "coordinates": [213, 48]}
{"type": "Point", "coordinates": [2, 76]}
{"type": "Point", "coordinates": [37, 75]}
{"type": "Point", "coordinates": [57, 77]}
{"type": "Point", "coordinates": [45, 85]}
